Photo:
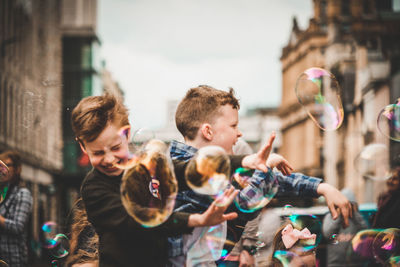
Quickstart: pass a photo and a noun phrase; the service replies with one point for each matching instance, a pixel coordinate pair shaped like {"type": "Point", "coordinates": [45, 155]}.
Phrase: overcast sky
{"type": "Point", "coordinates": [157, 50]}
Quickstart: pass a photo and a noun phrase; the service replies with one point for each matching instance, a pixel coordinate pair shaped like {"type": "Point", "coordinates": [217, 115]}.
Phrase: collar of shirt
{"type": "Point", "coordinates": [181, 151]}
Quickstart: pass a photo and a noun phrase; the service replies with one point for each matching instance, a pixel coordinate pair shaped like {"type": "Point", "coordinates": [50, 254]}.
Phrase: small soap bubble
{"type": "Point", "coordinates": [362, 244]}
{"type": "Point", "coordinates": [392, 262]}
{"type": "Point", "coordinates": [54, 263]}
{"type": "Point", "coordinates": [319, 93]}
{"type": "Point", "coordinates": [149, 187]}
{"type": "Point", "coordinates": [388, 121]}
{"type": "Point", "coordinates": [50, 230]}
{"type": "Point", "coordinates": [333, 239]}
{"type": "Point", "coordinates": [142, 136]}
{"type": "Point", "coordinates": [373, 162]}
{"type": "Point", "coordinates": [61, 246]}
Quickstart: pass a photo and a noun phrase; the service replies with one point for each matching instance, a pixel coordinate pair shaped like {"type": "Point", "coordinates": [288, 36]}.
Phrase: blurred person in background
{"type": "Point", "coordinates": [339, 238]}
{"type": "Point", "coordinates": [15, 208]}
{"type": "Point", "coordinates": [388, 214]}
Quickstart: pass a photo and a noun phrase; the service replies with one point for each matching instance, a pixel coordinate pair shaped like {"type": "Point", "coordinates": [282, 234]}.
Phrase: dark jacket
{"type": "Point", "coordinates": [123, 241]}
{"type": "Point", "coordinates": [388, 214]}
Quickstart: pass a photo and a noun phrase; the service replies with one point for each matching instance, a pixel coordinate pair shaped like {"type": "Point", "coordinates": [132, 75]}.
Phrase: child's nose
{"type": "Point", "coordinates": [109, 158]}
{"type": "Point", "coordinates": [239, 133]}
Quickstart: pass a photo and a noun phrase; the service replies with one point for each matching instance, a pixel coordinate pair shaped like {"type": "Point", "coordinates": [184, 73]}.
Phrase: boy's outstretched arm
{"type": "Point", "coordinates": [215, 213]}
{"type": "Point", "coordinates": [337, 202]}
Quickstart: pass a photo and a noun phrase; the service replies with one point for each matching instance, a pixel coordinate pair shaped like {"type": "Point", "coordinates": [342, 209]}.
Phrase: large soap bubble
{"type": "Point", "coordinates": [373, 162]}
{"type": "Point", "coordinates": [319, 93]}
{"type": "Point", "coordinates": [389, 121]}
{"type": "Point", "coordinates": [149, 188]}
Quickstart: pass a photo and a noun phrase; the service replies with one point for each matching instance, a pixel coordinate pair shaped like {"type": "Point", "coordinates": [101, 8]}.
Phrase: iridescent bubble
{"type": "Point", "coordinates": [319, 93]}
{"type": "Point", "coordinates": [288, 258]}
{"type": "Point", "coordinates": [61, 246]}
{"type": "Point", "coordinates": [142, 136]}
{"type": "Point", "coordinates": [373, 162]}
{"type": "Point", "coordinates": [393, 262]}
{"type": "Point", "coordinates": [389, 121]}
{"type": "Point", "coordinates": [386, 244]}
{"type": "Point", "coordinates": [313, 224]}
{"type": "Point", "coordinates": [216, 238]}
{"type": "Point", "coordinates": [333, 239]}
{"type": "Point", "coordinates": [207, 172]}
{"type": "Point", "coordinates": [3, 171]}
{"type": "Point", "coordinates": [256, 189]}
{"type": "Point", "coordinates": [149, 188]}
{"type": "Point", "coordinates": [3, 263]}
{"type": "Point", "coordinates": [54, 263]}
{"type": "Point", "coordinates": [50, 230]}
{"type": "Point", "coordinates": [287, 210]}
{"type": "Point", "coordinates": [361, 244]}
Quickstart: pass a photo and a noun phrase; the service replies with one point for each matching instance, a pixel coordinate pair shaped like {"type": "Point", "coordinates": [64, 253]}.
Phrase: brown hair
{"type": "Point", "coordinates": [15, 157]}
{"type": "Point", "coordinates": [93, 113]}
{"type": "Point", "coordinates": [200, 105]}
{"type": "Point", "coordinates": [84, 240]}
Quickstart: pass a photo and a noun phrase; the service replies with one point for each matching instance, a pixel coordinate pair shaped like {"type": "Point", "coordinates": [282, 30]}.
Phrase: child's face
{"type": "Point", "coordinates": [225, 132]}
{"type": "Point", "coordinates": [108, 149]}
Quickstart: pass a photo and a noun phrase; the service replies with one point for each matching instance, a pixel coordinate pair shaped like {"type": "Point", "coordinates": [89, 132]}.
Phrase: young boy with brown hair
{"type": "Point", "coordinates": [207, 116]}
{"type": "Point", "coordinates": [96, 122]}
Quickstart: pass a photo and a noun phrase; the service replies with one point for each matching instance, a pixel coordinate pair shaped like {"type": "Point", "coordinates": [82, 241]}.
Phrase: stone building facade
{"type": "Point", "coordinates": [356, 40]}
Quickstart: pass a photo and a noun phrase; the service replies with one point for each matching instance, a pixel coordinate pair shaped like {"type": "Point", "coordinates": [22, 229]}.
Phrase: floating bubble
{"type": "Point", "coordinates": [142, 136]}
{"type": "Point", "coordinates": [149, 188]}
{"type": "Point", "coordinates": [256, 189]}
{"type": "Point", "coordinates": [50, 231]}
{"type": "Point", "coordinates": [216, 238]}
{"type": "Point", "coordinates": [386, 244]}
{"type": "Point", "coordinates": [4, 171]}
{"type": "Point", "coordinates": [313, 224]}
{"type": "Point", "coordinates": [54, 263]}
{"type": "Point", "coordinates": [373, 162]}
{"type": "Point", "coordinates": [389, 121]}
{"type": "Point", "coordinates": [319, 93]}
{"type": "Point", "coordinates": [288, 258]}
{"type": "Point", "coordinates": [61, 246]}
{"type": "Point", "coordinates": [3, 263]}
{"type": "Point", "coordinates": [392, 262]}
{"type": "Point", "coordinates": [333, 239]}
{"type": "Point", "coordinates": [207, 172]}
{"type": "Point", "coordinates": [361, 245]}
{"type": "Point", "coordinates": [287, 210]}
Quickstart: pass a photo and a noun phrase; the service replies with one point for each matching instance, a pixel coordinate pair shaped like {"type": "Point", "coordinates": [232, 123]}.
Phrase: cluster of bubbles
{"type": "Point", "coordinates": [149, 186]}
{"type": "Point", "coordinates": [318, 92]}
{"type": "Point", "coordinates": [55, 242]}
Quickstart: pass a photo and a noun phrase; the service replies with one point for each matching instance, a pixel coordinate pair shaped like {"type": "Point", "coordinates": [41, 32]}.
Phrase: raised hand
{"type": "Point", "coordinates": [279, 162]}
{"type": "Point", "coordinates": [259, 160]}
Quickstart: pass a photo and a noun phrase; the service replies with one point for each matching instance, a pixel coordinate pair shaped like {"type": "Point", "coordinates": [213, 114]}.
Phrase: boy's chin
{"type": "Point", "coordinates": [111, 172]}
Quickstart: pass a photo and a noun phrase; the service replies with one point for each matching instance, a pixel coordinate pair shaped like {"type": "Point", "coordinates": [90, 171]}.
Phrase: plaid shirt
{"type": "Point", "coordinates": [15, 209]}
{"type": "Point", "coordinates": [188, 201]}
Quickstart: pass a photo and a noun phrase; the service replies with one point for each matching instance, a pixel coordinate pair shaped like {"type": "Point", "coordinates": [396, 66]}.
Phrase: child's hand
{"type": "Point", "coordinates": [279, 162]}
{"type": "Point", "coordinates": [215, 213]}
{"type": "Point", "coordinates": [337, 202]}
{"type": "Point", "coordinates": [259, 160]}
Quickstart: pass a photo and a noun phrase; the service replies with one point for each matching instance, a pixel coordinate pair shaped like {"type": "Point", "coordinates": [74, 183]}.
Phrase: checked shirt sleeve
{"type": "Point", "coordinates": [297, 184]}
{"type": "Point", "coordinates": [16, 221]}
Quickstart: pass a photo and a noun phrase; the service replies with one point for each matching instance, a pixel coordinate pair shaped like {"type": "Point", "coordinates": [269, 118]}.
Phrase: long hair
{"type": "Point", "coordinates": [84, 243]}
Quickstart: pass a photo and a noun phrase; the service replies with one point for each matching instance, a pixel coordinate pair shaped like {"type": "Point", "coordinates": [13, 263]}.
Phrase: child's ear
{"type": "Point", "coordinates": [82, 147]}
{"type": "Point", "coordinates": [206, 131]}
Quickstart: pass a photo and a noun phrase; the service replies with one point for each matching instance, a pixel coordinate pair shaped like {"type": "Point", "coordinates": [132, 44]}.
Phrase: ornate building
{"type": "Point", "coordinates": [358, 41]}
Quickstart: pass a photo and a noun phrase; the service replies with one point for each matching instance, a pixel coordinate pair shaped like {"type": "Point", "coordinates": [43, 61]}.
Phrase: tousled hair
{"type": "Point", "coordinates": [92, 115]}
{"type": "Point", "coordinates": [201, 105]}
{"type": "Point", "coordinates": [15, 157]}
